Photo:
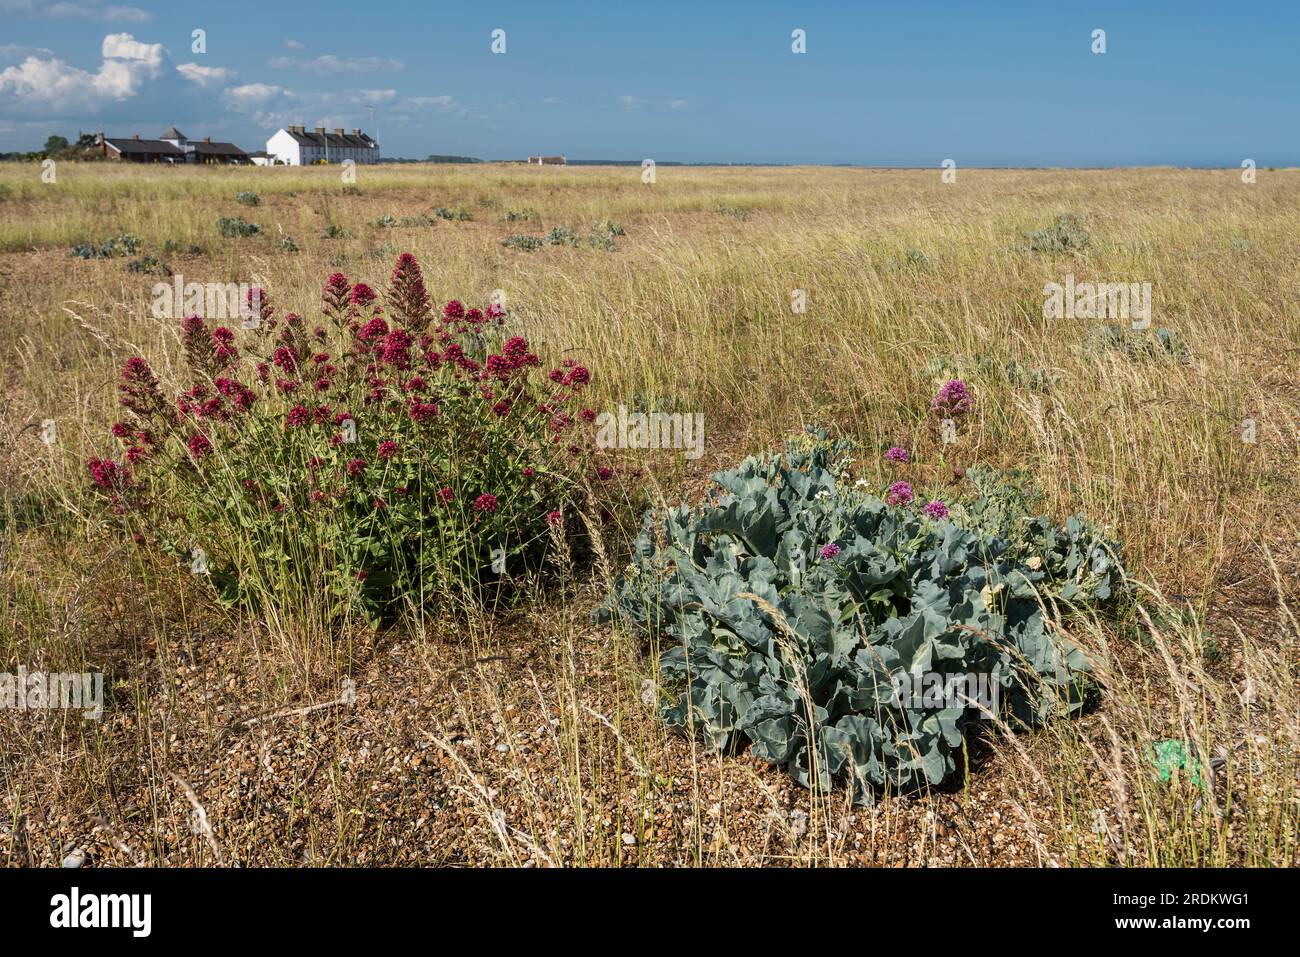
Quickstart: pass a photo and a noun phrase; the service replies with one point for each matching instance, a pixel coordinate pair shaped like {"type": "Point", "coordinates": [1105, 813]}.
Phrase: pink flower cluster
{"type": "Point", "coordinates": [953, 399]}
{"type": "Point", "coordinates": [936, 509]}
{"type": "Point", "coordinates": [900, 493]}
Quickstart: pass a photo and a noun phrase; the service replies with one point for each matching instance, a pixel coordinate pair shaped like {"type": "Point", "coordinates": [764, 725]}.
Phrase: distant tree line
{"type": "Point", "coordinates": [57, 147]}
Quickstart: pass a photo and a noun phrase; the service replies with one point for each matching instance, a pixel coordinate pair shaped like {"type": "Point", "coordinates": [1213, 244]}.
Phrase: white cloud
{"type": "Point", "coordinates": [123, 46]}
{"type": "Point", "coordinates": [16, 51]}
{"type": "Point", "coordinates": [75, 10]}
{"type": "Point", "coordinates": [292, 44]}
{"type": "Point", "coordinates": [438, 104]}
{"type": "Point", "coordinates": [631, 102]}
{"type": "Point", "coordinates": [676, 104]}
{"type": "Point", "coordinates": [48, 82]}
{"type": "Point", "coordinates": [357, 97]}
{"type": "Point", "coordinates": [205, 77]}
{"type": "Point", "coordinates": [328, 64]}
{"type": "Point", "coordinates": [251, 94]}
{"type": "Point", "coordinates": [274, 106]}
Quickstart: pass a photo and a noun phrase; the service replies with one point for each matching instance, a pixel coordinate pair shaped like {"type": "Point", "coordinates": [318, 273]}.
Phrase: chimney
{"type": "Point", "coordinates": [207, 139]}
{"type": "Point", "coordinates": [338, 131]}
{"type": "Point", "coordinates": [135, 136]}
{"type": "Point", "coordinates": [356, 132]}
{"type": "Point", "coordinates": [320, 130]}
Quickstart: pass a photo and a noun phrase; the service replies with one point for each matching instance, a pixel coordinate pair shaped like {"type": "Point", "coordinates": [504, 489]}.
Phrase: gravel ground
{"type": "Point", "coordinates": [531, 755]}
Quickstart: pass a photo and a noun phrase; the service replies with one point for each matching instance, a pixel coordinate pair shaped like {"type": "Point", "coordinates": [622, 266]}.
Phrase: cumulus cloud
{"type": "Point", "coordinates": [48, 82]}
{"type": "Point", "coordinates": [328, 64]}
{"type": "Point", "coordinates": [205, 77]}
{"type": "Point", "coordinates": [123, 46]}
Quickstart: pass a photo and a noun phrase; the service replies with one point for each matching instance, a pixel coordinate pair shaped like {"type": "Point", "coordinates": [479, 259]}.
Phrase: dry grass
{"type": "Point", "coordinates": [691, 311]}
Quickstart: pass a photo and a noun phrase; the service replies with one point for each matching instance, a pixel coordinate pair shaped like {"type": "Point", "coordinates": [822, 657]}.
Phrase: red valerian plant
{"type": "Point", "coordinates": [386, 452]}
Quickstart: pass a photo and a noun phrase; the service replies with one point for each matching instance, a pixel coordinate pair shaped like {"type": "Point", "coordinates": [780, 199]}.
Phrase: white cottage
{"type": "Point", "coordinates": [296, 147]}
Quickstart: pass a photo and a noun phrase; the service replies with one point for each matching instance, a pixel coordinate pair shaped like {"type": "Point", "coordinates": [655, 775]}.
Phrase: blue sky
{"type": "Point", "coordinates": [888, 84]}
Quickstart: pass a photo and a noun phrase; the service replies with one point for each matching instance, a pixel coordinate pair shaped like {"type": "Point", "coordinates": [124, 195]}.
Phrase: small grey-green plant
{"type": "Point", "coordinates": [736, 212]}
{"type": "Point", "coordinates": [1066, 235]}
{"type": "Point", "coordinates": [123, 244]}
{"type": "Point", "coordinates": [174, 247]}
{"type": "Point", "coordinates": [232, 226]}
{"type": "Point", "coordinates": [1139, 344]}
{"type": "Point", "coordinates": [150, 266]}
{"type": "Point", "coordinates": [459, 214]}
{"type": "Point", "coordinates": [523, 242]}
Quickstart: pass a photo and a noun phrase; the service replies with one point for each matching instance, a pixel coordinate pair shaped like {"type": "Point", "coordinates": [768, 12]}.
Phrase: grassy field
{"type": "Point", "coordinates": [522, 737]}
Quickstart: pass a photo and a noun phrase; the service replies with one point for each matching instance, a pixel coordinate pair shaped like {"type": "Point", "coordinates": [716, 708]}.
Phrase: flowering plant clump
{"type": "Point", "coordinates": [953, 400]}
{"type": "Point", "coordinates": [381, 452]}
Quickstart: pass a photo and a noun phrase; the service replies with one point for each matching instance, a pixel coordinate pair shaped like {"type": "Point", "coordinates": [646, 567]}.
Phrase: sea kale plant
{"type": "Point", "coordinates": [234, 226]}
{"type": "Point", "coordinates": [1067, 235]}
{"type": "Point", "coordinates": [379, 453]}
{"type": "Point", "coordinates": [791, 613]}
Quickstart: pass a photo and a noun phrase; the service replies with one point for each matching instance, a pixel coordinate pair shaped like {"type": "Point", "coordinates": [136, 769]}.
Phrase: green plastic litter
{"type": "Point", "coordinates": [1171, 757]}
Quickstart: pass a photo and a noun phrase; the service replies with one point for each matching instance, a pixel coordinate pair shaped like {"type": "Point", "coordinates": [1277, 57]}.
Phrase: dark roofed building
{"type": "Point", "coordinates": [136, 150]}
{"type": "Point", "coordinates": [172, 147]}
{"type": "Point", "coordinates": [206, 151]}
